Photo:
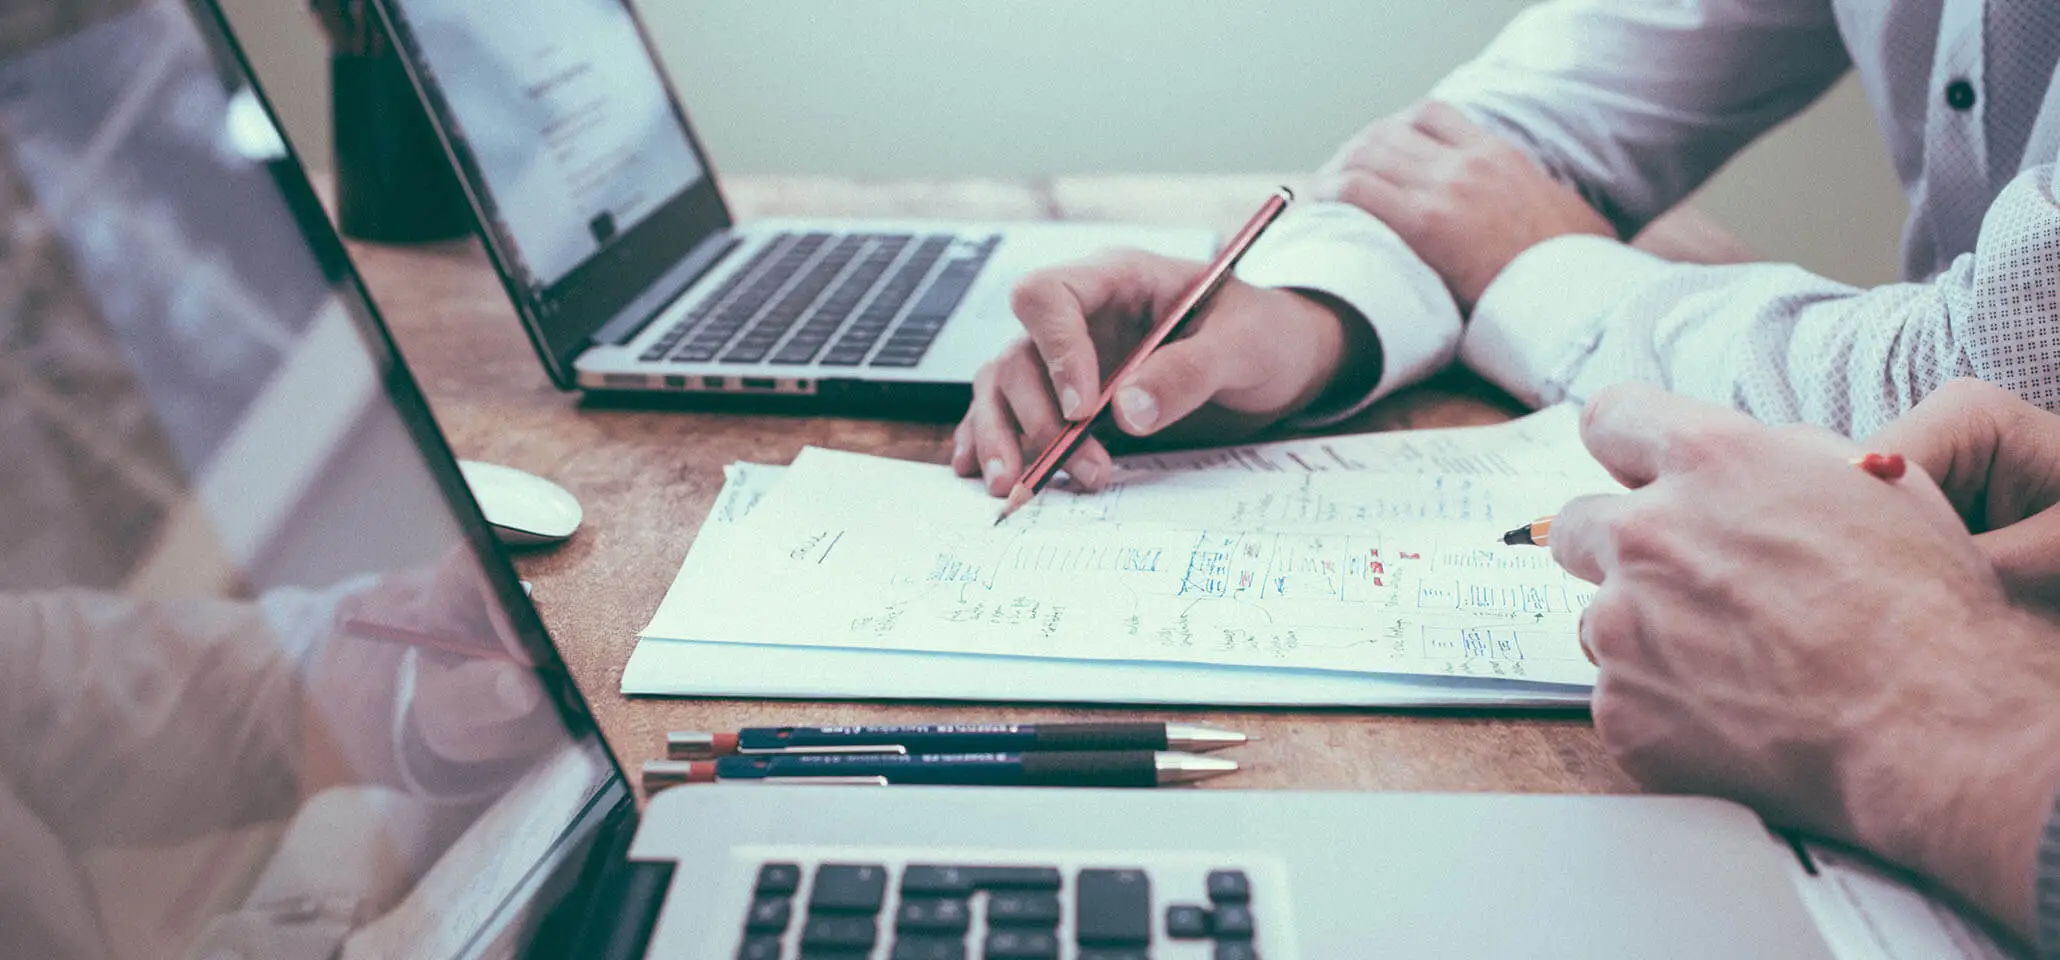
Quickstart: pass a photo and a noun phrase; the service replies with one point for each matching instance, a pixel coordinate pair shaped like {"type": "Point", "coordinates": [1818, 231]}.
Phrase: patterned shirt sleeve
{"type": "Point", "coordinates": [2046, 895]}
{"type": "Point", "coordinates": [1774, 340]}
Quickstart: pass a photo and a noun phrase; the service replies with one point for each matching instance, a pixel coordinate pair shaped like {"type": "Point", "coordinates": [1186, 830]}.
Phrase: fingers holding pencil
{"type": "Point", "coordinates": [1130, 388]}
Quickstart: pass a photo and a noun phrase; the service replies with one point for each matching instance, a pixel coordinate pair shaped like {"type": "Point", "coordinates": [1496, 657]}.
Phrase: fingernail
{"type": "Point", "coordinates": [1139, 408]}
{"type": "Point", "coordinates": [994, 468]}
{"type": "Point", "coordinates": [1069, 402]}
{"type": "Point", "coordinates": [958, 451]}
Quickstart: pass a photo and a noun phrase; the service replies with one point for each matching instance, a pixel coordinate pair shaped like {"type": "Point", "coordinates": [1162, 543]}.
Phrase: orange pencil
{"type": "Point", "coordinates": [1538, 533]}
{"type": "Point", "coordinates": [1046, 466]}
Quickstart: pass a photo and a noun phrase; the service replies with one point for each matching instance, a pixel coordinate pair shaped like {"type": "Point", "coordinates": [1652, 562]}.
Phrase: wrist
{"type": "Point", "coordinates": [1346, 359]}
{"type": "Point", "coordinates": [1958, 784]}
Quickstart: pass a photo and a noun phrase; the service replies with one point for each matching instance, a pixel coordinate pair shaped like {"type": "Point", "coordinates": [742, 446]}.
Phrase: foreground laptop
{"type": "Point", "coordinates": [268, 688]}
{"type": "Point", "coordinates": [601, 212]}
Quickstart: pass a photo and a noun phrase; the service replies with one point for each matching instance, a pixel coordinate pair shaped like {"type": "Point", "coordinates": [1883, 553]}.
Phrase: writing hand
{"type": "Point", "coordinates": [466, 709]}
{"type": "Point", "coordinates": [1997, 457]}
{"type": "Point", "coordinates": [1255, 356]}
{"type": "Point", "coordinates": [1779, 628]}
{"type": "Point", "coordinates": [1463, 199]}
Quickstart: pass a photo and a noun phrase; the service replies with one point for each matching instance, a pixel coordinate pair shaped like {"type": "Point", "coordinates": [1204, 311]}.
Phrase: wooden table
{"type": "Point", "coordinates": [647, 478]}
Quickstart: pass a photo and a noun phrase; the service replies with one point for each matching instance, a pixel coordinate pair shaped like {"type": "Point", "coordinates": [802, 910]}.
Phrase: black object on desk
{"type": "Point", "coordinates": [1106, 768]}
{"type": "Point", "coordinates": [393, 182]}
{"type": "Point", "coordinates": [951, 738]}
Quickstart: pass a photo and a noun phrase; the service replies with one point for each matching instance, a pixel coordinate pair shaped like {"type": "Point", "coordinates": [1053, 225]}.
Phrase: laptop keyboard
{"type": "Point", "coordinates": [831, 299]}
{"type": "Point", "coordinates": [851, 911]}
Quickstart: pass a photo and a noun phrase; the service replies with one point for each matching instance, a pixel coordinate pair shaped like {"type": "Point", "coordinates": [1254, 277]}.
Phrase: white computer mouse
{"type": "Point", "coordinates": [522, 508]}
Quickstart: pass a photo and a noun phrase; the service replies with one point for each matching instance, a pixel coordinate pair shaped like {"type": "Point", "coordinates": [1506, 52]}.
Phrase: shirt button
{"type": "Point", "coordinates": [1960, 95]}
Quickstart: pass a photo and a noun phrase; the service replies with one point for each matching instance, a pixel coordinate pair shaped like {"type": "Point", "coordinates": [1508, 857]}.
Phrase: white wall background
{"type": "Point", "coordinates": [909, 88]}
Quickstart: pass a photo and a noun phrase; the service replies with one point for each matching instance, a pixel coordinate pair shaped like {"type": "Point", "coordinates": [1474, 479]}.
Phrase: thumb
{"type": "Point", "coordinates": [1173, 382]}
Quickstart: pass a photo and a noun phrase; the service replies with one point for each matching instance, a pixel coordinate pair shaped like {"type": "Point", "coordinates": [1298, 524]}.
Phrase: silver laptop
{"type": "Point", "coordinates": [604, 218]}
{"type": "Point", "coordinates": [273, 691]}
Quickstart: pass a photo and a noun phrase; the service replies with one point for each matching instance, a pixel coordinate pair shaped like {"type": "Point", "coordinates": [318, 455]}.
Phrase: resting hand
{"type": "Point", "coordinates": [1255, 356]}
{"type": "Point", "coordinates": [1463, 199]}
{"type": "Point", "coordinates": [1998, 459]}
{"type": "Point", "coordinates": [1776, 626]}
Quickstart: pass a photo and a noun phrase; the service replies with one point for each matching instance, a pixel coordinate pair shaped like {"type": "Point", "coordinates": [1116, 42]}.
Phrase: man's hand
{"type": "Point", "coordinates": [1255, 356]}
{"type": "Point", "coordinates": [467, 709]}
{"type": "Point", "coordinates": [1776, 626]}
{"type": "Point", "coordinates": [1998, 459]}
{"type": "Point", "coordinates": [1466, 201]}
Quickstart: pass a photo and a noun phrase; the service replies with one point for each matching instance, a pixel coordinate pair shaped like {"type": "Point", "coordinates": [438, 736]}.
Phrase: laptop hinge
{"type": "Point", "coordinates": [626, 910]}
{"type": "Point", "coordinates": [673, 285]}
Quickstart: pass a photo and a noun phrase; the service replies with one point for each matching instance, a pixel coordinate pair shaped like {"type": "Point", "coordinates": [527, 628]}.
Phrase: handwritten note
{"type": "Point", "coordinates": [1347, 569]}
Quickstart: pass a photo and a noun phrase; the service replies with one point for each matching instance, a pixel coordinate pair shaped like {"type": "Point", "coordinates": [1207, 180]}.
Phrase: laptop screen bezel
{"type": "Point", "coordinates": [562, 320]}
{"type": "Point", "coordinates": [611, 802]}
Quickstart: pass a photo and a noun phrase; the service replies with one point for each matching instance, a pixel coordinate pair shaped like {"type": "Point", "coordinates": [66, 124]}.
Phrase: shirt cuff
{"type": "Point", "coordinates": [1343, 252]}
{"type": "Point", "coordinates": [1546, 311]}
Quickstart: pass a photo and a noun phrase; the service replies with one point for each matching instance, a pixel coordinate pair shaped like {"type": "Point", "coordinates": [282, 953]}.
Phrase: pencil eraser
{"type": "Point", "coordinates": [1889, 466]}
{"type": "Point", "coordinates": [660, 774]}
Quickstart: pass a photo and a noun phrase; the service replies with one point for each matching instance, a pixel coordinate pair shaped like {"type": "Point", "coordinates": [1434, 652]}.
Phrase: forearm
{"type": "Point", "coordinates": [1966, 795]}
{"type": "Point", "coordinates": [1773, 340]}
{"type": "Point", "coordinates": [197, 694]}
{"type": "Point", "coordinates": [1635, 104]}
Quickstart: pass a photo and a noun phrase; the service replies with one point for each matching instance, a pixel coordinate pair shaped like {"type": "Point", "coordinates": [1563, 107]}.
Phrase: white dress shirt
{"type": "Point", "coordinates": [1634, 103]}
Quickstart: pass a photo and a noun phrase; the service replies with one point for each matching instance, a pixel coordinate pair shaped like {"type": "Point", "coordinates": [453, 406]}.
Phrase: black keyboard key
{"type": "Point", "coordinates": [1185, 922]}
{"type": "Point", "coordinates": [848, 888]}
{"type": "Point", "coordinates": [759, 948]}
{"type": "Point", "coordinates": [1020, 909]}
{"type": "Point", "coordinates": [930, 915]}
{"type": "Point", "coordinates": [944, 295]}
{"type": "Point", "coordinates": [1233, 922]}
{"type": "Point", "coordinates": [1113, 908]}
{"type": "Point", "coordinates": [1228, 950]}
{"type": "Point", "coordinates": [930, 880]}
{"type": "Point", "coordinates": [897, 358]}
{"type": "Point", "coordinates": [838, 933]}
{"type": "Point", "coordinates": [794, 354]}
{"type": "Point", "coordinates": [1113, 953]}
{"type": "Point", "coordinates": [769, 915]}
{"type": "Point", "coordinates": [929, 948]}
{"type": "Point", "coordinates": [923, 879]}
{"type": "Point", "coordinates": [1229, 886]}
{"type": "Point", "coordinates": [1022, 945]}
{"type": "Point", "coordinates": [777, 880]}
{"type": "Point", "coordinates": [1016, 878]}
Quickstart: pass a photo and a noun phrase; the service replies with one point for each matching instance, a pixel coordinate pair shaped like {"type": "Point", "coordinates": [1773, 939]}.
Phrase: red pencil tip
{"type": "Point", "coordinates": [1890, 466]}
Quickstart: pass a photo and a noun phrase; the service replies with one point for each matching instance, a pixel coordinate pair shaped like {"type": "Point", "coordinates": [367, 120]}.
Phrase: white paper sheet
{"type": "Point", "coordinates": [1316, 570]}
{"type": "Point", "coordinates": [676, 667]}
{"type": "Point", "coordinates": [1476, 491]}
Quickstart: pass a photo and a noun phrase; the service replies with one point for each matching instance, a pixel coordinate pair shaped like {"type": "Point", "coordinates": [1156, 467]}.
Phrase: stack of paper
{"type": "Point", "coordinates": [1361, 570]}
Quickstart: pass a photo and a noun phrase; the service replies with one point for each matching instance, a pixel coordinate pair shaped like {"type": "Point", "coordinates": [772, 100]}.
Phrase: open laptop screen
{"type": "Point", "coordinates": [266, 687]}
{"type": "Point", "coordinates": [563, 111]}
{"type": "Point", "coordinates": [581, 169]}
